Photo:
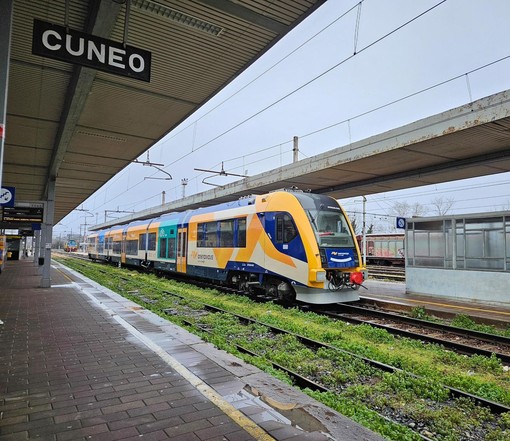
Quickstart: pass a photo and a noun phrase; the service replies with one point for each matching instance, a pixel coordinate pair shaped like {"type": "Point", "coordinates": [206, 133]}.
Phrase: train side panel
{"type": "Point", "coordinates": [218, 241]}
{"type": "Point", "coordinates": [290, 246]}
{"type": "Point", "coordinates": [275, 244]}
{"type": "Point", "coordinates": [386, 249]}
{"type": "Point", "coordinates": [131, 243]}
{"type": "Point", "coordinates": [114, 244]}
{"type": "Point", "coordinates": [166, 249]}
{"type": "Point", "coordinates": [92, 245]}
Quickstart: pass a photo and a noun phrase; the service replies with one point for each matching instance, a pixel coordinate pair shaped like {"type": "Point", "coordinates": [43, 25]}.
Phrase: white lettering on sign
{"type": "Point", "coordinates": [140, 60]}
{"type": "Point", "coordinates": [98, 53]}
{"type": "Point", "coordinates": [63, 44]}
{"type": "Point", "coordinates": [46, 40]}
{"type": "Point", "coordinates": [116, 56]}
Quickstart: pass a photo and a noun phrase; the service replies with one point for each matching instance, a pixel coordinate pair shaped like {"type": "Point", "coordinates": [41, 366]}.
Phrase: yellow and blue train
{"type": "Point", "coordinates": [287, 244]}
{"type": "Point", "coordinates": [71, 246]}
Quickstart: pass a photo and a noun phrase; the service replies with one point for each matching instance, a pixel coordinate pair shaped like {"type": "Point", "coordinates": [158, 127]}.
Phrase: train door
{"type": "Point", "coordinates": [182, 249]}
{"type": "Point", "coordinates": [123, 247]}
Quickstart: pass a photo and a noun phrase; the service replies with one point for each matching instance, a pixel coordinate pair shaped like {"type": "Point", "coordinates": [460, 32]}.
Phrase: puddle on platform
{"type": "Point", "coordinates": [136, 308]}
{"type": "Point", "coordinates": [272, 410]}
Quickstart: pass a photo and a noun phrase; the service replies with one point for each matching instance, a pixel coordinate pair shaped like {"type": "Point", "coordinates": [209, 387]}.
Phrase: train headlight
{"type": "Point", "coordinates": [320, 276]}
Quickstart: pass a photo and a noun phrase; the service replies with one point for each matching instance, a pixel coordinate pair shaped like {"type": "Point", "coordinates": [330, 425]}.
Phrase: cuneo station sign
{"type": "Point", "coordinates": [64, 44]}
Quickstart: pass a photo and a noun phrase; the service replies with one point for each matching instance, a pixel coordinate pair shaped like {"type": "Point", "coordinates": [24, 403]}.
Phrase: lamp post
{"type": "Point", "coordinates": [363, 232]}
{"type": "Point", "coordinates": [87, 214]}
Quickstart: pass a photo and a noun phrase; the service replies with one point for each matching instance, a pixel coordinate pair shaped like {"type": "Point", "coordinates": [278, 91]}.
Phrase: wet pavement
{"type": "Point", "coordinates": [79, 362]}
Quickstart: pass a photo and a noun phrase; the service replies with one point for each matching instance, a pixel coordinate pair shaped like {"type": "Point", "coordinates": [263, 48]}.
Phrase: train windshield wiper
{"type": "Point", "coordinates": [312, 219]}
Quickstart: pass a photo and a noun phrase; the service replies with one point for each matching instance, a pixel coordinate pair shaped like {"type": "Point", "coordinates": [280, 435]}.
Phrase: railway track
{"type": "Point", "coordinates": [396, 273]}
{"type": "Point", "coordinates": [303, 379]}
{"type": "Point", "coordinates": [307, 382]}
{"type": "Point", "coordinates": [461, 340]}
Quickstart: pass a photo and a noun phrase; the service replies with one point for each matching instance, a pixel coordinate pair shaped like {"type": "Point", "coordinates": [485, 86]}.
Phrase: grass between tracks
{"type": "Point", "coordinates": [463, 321]}
{"type": "Point", "coordinates": [358, 391]}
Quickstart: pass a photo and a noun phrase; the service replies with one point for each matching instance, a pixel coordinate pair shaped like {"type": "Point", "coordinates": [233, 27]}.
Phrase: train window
{"type": "Point", "coordinates": [116, 247]}
{"type": "Point", "coordinates": [331, 228]}
{"type": "Point", "coordinates": [171, 248]}
{"type": "Point", "coordinates": [241, 233]}
{"type": "Point", "coordinates": [200, 235]}
{"type": "Point", "coordinates": [211, 229]}
{"type": "Point", "coordinates": [152, 242]}
{"type": "Point", "coordinates": [132, 247]}
{"type": "Point", "coordinates": [162, 247]}
{"type": "Point", "coordinates": [285, 228]}
{"type": "Point", "coordinates": [167, 248]}
{"type": "Point", "coordinates": [141, 242]}
{"type": "Point", "coordinates": [279, 229]}
{"type": "Point", "coordinates": [226, 233]}
{"type": "Point", "coordinates": [207, 234]}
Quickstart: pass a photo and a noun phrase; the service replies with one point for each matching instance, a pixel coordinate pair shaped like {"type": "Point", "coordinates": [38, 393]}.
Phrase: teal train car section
{"type": "Point", "coordinates": [167, 243]}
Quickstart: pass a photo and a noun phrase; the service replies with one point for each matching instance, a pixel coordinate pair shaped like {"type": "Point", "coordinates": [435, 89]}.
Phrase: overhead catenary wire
{"type": "Point", "coordinates": [300, 87]}
{"type": "Point", "coordinates": [367, 112]}
{"type": "Point", "coordinates": [284, 97]}
{"type": "Point", "coordinates": [325, 128]}
{"type": "Point", "coordinates": [281, 60]}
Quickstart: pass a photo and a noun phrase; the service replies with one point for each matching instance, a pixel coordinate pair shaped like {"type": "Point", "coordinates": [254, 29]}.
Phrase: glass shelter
{"type": "Point", "coordinates": [467, 255]}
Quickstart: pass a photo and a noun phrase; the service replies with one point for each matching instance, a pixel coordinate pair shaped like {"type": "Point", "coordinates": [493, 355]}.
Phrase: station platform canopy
{"type": "Point", "coordinates": [464, 142]}
{"type": "Point", "coordinates": [79, 125]}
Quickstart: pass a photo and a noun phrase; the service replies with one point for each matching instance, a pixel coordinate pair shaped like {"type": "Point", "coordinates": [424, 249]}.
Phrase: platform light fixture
{"type": "Point", "coordinates": [177, 16]}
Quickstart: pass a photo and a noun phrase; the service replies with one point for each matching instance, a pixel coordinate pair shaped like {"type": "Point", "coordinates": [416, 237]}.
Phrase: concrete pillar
{"type": "Point", "coordinates": [36, 245]}
{"type": "Point", "coordinates": [48, 234]}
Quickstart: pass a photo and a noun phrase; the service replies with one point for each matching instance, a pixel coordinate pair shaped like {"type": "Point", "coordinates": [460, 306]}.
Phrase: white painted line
{"type": "Point", "coordinates": [237, 416]}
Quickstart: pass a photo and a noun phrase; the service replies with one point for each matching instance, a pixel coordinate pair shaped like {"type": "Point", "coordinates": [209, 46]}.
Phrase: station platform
{"type": "Point", "coordinates": [444, 307]}
{"type": "Point", "coordinates": [79, 362]}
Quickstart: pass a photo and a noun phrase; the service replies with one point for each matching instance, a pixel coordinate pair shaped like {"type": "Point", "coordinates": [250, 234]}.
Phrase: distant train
{"type": "Point", "coordinates": [70, 246]}
{"type": "Point", "coordinates": [384, 249]}
{"type": "Point", "coordinates": [288, 245]}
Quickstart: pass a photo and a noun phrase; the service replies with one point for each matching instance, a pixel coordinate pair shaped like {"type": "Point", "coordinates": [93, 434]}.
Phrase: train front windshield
{"type": "Point", "coordinates": [331, 228]}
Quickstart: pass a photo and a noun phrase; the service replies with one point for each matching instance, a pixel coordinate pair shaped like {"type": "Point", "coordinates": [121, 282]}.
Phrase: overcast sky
{"type": "Point", "coordinates": [311, 81]}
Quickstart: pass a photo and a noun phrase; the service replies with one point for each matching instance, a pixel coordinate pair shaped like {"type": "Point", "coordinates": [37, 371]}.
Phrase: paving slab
{"type": "Point", "coordinates": [80, 362]}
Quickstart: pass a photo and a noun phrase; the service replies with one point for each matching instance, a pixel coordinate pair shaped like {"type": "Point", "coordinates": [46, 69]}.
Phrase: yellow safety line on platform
{"type": "Point", "coordinates": [65, 275]}
{"type": "Point", "coordinates": [237, 416]}
{"type": "Point", "coordinates": [447, 305]}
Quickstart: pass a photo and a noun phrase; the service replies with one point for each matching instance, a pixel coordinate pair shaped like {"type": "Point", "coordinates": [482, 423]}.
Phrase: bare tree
{"type": "Point", "coordinates": [401, 209]}
{"type": "Point", "coordinates": [442, 205]}
{"type": "Point", "coordinates": [405, 209]}
{"type": "Point", "coordinates": [354, 223]}
{"type": "Point", "coordinates": [504, 207]}
{"type": "Point", "coordinates": [418, 209]}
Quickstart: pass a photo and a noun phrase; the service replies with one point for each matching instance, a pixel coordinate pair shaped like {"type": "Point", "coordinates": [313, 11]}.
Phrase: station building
{"type": "Point", "coordinates": [463, 256]}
